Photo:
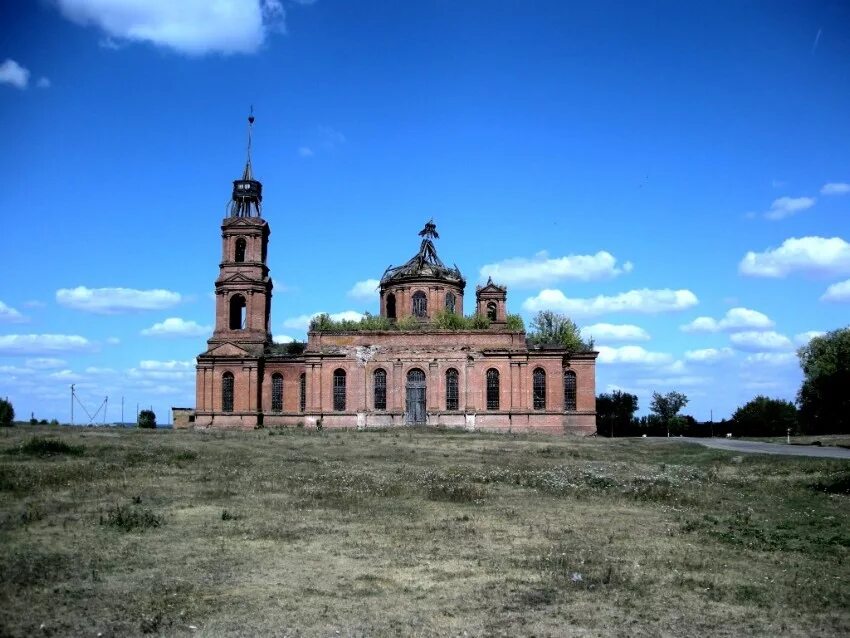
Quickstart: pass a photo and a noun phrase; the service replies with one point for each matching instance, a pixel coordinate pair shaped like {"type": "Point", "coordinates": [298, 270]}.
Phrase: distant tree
{"type": "Point", "coordinates": [614, 413]}
{"type": "Point", "coordinates": [667, 406]}
{"type": "Point", "coordinates": [7, 413]}
{"type": "Point", "coordinates": [824, 398]}
{"type": "Point", "coordinates": [550, 327]}
{"type": "Point", "coordinates": [763, 416]}
{"type": "Point", "coordinates": [147, 419]}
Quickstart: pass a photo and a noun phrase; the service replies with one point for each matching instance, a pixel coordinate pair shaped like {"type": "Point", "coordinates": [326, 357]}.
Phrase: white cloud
{"type": "Point", "coordinates": [642, 301]}
{"type": "Point", "coordinates": [673, 382]}
{"type": "Point", "coordinates": [305, 151]}
{"type": "Point", "coordinates": [541, 269]}
{"type": "Point", "coordinates": [819, 255]}
{"type": "Point", "coordinates": [156, 371]}
{"type": "Point", "coordinates": [771, 358]}
{"type": "Point", "coordinates": [193, 27]}
{"type": "Point", "coordinates": [14, 74]}
{"type": "Point", "coordinates": [835, 188]}
{"type": "Point", "coordinates": [10, 315]}
{"type": "Point", "coordinates": [709, 355]}
{"type": "Point", "coordinates": [43, 83]}
{"type": "Point", "coordinates": [804, 337]}
{"type": "Point", "coordinates": [110, 301]}
{"type": "Point", "coordinates": [283, 339]}
{"type": "Point", "coordinates": [614, 332]}
{"type": "Point", "coordinates": [837, 292]}
{"type": "Point", "coordinates": [65, 375]}
{"type": "Point", "coordinates": [366, 290]}
{"type": "Point", "coordinates": [35, 344]}
{"type": "Point", "coordinates": [632, 355]}
{"type": "Point", "coordinates": [177, 327]}
{"type": "Point", "coordinates": [45, 363]}
{"type": "Point", "coordinates": [787, 206]}
{"type": "Point", "coordinates": [149, 364]}
{"type": "Point", "coordinates": [100, 371]}
{"type": "Point", "coordinates": [302, 322]}
{"type": "Point", "coordinates": [113, 341]}
{"type": "Point", "coordinates": [736, 319]}
{"type": "Point", "coordinates": [759, 341]}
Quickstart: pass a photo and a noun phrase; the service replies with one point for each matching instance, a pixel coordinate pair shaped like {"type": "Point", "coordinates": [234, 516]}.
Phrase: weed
{"type": "Point", "coordinates": [128, 518]}
{"type": "Point", "coordinates": [41, 446]}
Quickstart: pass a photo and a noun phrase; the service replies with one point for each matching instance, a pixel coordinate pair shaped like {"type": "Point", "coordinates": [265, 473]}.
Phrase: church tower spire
{"type": "Point", "coordinates": [244, 288]}
{"type": "Point", "coordinates": [247, 191]}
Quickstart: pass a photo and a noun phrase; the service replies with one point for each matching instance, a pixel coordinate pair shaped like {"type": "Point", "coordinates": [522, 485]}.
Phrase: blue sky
{"type": "Point", "coordinates": [674, 176]}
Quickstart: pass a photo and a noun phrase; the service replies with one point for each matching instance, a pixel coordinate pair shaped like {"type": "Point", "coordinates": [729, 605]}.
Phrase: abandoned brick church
{"type": "Point", "coordinates": [408, 373]}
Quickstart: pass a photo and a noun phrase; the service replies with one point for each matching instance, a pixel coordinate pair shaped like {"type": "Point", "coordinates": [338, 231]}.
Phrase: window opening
{"type": "Point", "coordinates": [380, 390]}
{"type": "Point", "coordinates": [492, 389]}
{"type": "Point", "coordinates": [237, 312]}
{"type": "Point", "coordinates": [227, 392]}
{"type": "Point", "coordinates": [240, 250]}
{"type": "Point", "coordinates": [451, 300]}
{"type": "Point", "coordinates": [339, 390]}
{"type": "Point", "coordinates": [452, 389]}
{"type": "Point", "coordinates": [491, 311]}
{"type": "Point", "coordinates": [539, 389]}
{"type": "Point", "coordinates": [302, 400]}
{"type": "Point", "coordinates": [391, 306]}
{"type": "Point", "coordinates": [569, 391]}
{"type": "Point", "coordinates": [420, 304]}
{"type": "Point", "coordinates": [277, 392]}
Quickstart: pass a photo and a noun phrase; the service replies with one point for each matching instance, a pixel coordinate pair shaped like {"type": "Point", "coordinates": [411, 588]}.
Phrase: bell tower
{"type": "Point", "coordinates": [243, 290]}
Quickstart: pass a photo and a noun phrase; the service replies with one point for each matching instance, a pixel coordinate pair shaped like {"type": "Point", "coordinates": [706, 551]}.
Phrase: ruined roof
{"type": "Point", "coordinates": [424, 263]}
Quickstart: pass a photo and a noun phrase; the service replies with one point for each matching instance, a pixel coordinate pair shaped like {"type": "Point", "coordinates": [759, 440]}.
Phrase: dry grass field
{"type": "Point", "coordinates": [290, 532]}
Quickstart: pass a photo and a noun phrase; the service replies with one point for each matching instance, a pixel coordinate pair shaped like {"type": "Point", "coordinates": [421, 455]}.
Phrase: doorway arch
{"type": "Point", "coordinates": [415, 391]}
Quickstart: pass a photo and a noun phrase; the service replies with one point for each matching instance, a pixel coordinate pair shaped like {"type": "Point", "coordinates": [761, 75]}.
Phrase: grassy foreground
{"type": "Point", "coordinates": [128, 532]}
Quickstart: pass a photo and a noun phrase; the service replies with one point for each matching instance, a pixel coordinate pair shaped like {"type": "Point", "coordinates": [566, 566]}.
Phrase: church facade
{"type": "Point", "coordinates": [407, 373]}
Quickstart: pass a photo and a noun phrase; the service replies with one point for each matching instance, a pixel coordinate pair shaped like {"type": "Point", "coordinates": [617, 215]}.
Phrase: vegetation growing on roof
{"type": "Point", "coordinates": [442, 320]}
{"type": "Point", "coordinates": [553, 328]}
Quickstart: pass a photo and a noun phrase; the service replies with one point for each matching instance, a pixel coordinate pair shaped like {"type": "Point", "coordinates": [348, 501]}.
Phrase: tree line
{"type": "Point", "coordinates": [822, 406]}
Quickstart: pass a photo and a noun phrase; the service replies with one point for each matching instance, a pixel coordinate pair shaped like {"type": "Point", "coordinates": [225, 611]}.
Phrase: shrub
{"type": "Point", "coordinates": [147, 419]}
{"type": "Point", "coordinates": [515, 323]}
{"type": "Point", "coordinates": [7, 413]}
{"type": "Point", "coordinates": [128, 518]}
{"type": "Point", "coordinates": [38, 446]}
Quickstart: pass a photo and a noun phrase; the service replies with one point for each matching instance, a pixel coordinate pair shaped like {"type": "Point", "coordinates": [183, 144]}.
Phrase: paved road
{"type": "Point", "coordinates": [755, 447]}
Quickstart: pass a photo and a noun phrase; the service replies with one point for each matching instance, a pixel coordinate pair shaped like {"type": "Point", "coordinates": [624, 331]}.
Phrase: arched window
{"type": "Point", "coordinates": [452, 399]}
{"type": "Point", "coordinates": [277, 392]}
{"type": "Point", "coordinates": [391, 306]}
{"type": "Point", "coordinates": [569, 391]}
{"type": "Point", "coordinates": [380, 377]}
{"type": "Point", "coordinates": [237, 312]}
{"type": "Point", "coordinates": [492, 389]}
{"type": "Point", "coordinates": [420, 304]}
{"type": "Point", "coordinates": [491, 311]}
{"type": "Point", "coordinates": [227, 392]}
{"type": "Point", "coordinates": [451, 301]}
{"type": "Point", "coordinates": [339, 390]}
{"type": "Point", "coordinates": [302, 399]}
{"type": "Point", "coordinates": [539, 389]}
{"type": "Point", "coordinates": [239, 253]}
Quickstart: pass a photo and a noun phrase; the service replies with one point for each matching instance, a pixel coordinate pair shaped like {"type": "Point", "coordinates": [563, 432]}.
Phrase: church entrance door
{"type": "Point", "coordinates": [415, 411]}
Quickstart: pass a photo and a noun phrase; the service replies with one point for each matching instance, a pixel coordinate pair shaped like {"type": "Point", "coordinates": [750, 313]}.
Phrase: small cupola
{"type": "Point", "coordinates": [247, 191]}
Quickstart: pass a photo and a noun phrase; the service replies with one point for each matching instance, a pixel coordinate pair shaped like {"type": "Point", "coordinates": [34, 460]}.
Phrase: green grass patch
{"type": "Point", "coordinates": [429, 532]}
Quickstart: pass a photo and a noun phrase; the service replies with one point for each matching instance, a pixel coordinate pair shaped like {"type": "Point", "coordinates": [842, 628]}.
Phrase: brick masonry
{"type": "Point", "coordinates": [241, 345]}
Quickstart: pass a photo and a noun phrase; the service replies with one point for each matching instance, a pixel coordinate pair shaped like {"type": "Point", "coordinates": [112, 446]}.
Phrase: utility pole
{"type": "Point", "coordinates": [122, 411]}
{"type": "Point", "coordinates": [72, 404]}
{"type": "Point", "coordinates": [712, 422]}
{"type": "Point", "coordinates": [105, 405]}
